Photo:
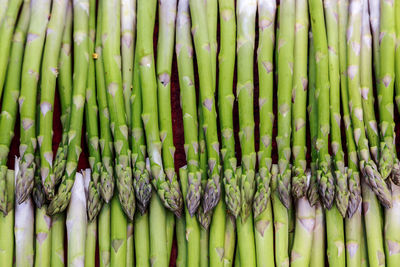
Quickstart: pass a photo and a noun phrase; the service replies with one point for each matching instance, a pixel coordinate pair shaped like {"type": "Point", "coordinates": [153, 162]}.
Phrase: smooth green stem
{"type": "Point", "coordinates": [217, 235]}
{"type": "Point", "coordinates": [104, 226]}
{"type": "Point", "coordinates": [119, 224]}
{"type": "Point", "coordinates": [130, 249]}
{"type": "Point", "coordinates": [182, 258]}
{"type": "Point", "coordinates": [170, 229]}
{"type": "Point", "coordinates": [318, 245]}
{"type": "Point", "coordinates": [354, 232]}
{"type": "Point", "coordinates": [142, 241]}
{"type": "Point", "coordinates": [7, 225]}
{"type": "Point", "coordinates": [335, 237]}
{"type": "Point", "coordinates": [90, 249]}
{"type": "Point", "coordinates": [43, 237]}
{"type": "Point", "coordinates": [230, 241]}
{"type": "Point", "coordinates": [264, 237]}
{"type": "Point", "coordinates": [158, 237]}
{"type": "Point", "coordinates": [57, 240]}
{"type": "Point", "coordinates": [204, 258]}
{"type": "Point", "coordinates": [392, 229]}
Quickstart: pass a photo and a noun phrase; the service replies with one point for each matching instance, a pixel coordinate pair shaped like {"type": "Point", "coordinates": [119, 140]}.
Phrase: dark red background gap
{"type": "Point", "coordinates": [177, 124]}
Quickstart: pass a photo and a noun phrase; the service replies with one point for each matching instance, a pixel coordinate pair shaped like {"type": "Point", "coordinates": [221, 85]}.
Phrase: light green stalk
{"type": "Point", "coordinates": [281, 222]}
{"type": "Point", "coordinates": [212, 189]}
{"type": "Point", "coordinates": [90, 244]}
{"type": "Point", "coordinates": [119, 224]}
{"type": "Point", "coordinates": [7, 221]}
{"type": "Point", "coordinates": [8, 114]}
{"type": "Point", "coordinates": [23, 229]}
{"type": "Point", "coordinates": [27, 100]}
{"type": "Point", "coordinates": [128, 28]}
{"type": "Point", "coordinates": [212, 26]}
{"type": "Point", "coordinates": [386, 88]}
{"type": "Point", "coordinates": [391, 233]}
{"type": "Point", "coordinates": [57, 240]}
{"type": "Point", "coordinates": [76, 222]}
{"type": "Point", "coordinates": [142, 241]}
{"type": "Point", "coordinates": [8, 18]}
{"type": "Point", "coordinates": [246, 15]}
{"type": "Point", "coordinates": [374, 9]}
{"type": "Point", "coordinates": [65, 92]}
{"type": "Point", "coordinates": [371, 207]}
{"type": "Point", "coordinates": [397, 55]}
{"type": "Point", "coordinates": [94, 201]}
{"type": "Point", "coordinates": [285, 77]}
{"type": "Point", "coordinates": [181, 259]}
{"type": "Point", "coordinates": [262, 209]}
{"type": "Point", "coordinates": [43, 237]}
{"type": "Point", "coordinates": [230, 240]}
{"type": "Point", "coordinates": [165, 45]}
{"type": "Point", "coordinates": [115, 99]}
{"type": "Point", "coordinates": [49, 72]}
{"type": "Point", "coordinates": [104, 229]}
{"type": "Point", "coordinates": [105, 141]}
{"type": "Point", "coordinates": [81, 64]}
{"type": "Point", "coordinates": [317, 257]}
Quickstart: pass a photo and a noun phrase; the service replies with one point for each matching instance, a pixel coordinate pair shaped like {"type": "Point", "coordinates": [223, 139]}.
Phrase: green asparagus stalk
{"type": "Point", "coordinates": [386, 88]}
{"type": "Point", "coordinates": [23, 228]}
{"type": "Point", "coordinates": [212, 25]}
{"type": "Point", "coordinates": [43, 237]}
{"type": "Point", "coordinates": [317, 257]}
{"type": "Point", "coordinates": [65, 92]}
{"type": "Point", "coordinates": [142, 245]}
{"type": "Point", "coordinates": [165, 45]}
{"type": "Point", "coordinates": [128, 28]}
{"type": "Point", "coordinates": [27, 100]}
{"type": "Point", "coordinates": [7, 221]}
{"type": "Point", "coordinates": [48, 84]}
{"type": "Point", "coordinates": [374, 9]}
{"type": "Point", "coordinates": [285, 77]}
{"type": "Point", "coordinates": [115, 99]}
{"type": "Point", "coordinates": [397, 55]}
{"type": "Point", "coordinates": [202, 45]}
{"type": "Point", "coordinates": [230, 240]}
{"type": "Point", "coordinates": [181, 259]}
{"type": "Point", "coordinates": [10, 13]}
{"type": "Point", "coordinates": [76, 222]}
{"type": "Point", "coordinates": [262, 208]}
{"type": "Point", "coordinates": [81, 64]}
{"type": "Point", "coordinates": [391, 233]}
{"type": "Point", "coordinates": [105, 141]}
{"type": "Point", "coordinates": [281, 222]}
{"type": "Point", "coordinates": [90, 244]}
{"type": "Point", "coordinates": [104, 230]}
{"type": "Point", "coordinates": [204, 257]}
{"type": "Point", "coordinates": [246, 15]}
{"type": "Point", "coordinates": [371, 207]}
{"type": "Point", "coordinates": [8, 114]}
{"type": "Point", "coordinates": [57, 240]}
{"type": "Point", "coordinates": [184, 54]}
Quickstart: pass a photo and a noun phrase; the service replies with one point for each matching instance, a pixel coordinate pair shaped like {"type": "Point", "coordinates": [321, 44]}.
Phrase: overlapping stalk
{"type": "Point", "coordinates": [7, 221]}
{"type": "Point", "coordinates": [81, 64]}
{"type": "Point", "coordinates": [27, 100]}
{"type": "Point", "coordinates": [367, 165]}
{"type": "Point", "coordinates": [374, 9]}
{"type": "Point", "coordinates": [190, 178]}
{"type": "Point", "coordinates": [305, 213]}
{"type": "Point", "coordinates": [94, 201]}
{"type": "Point", "coordinates": [49, 72]}
{"type": "Point", "coordinates": [146, 20]}
{"type": "Point", "coordinates": [65, 92]}
{"type": "Point", "coordinates": [9, 108]}
{"type": "Point", "coordinates": [371, 207]}
{"type": "Point", "coordinates": [388, 157]}
{"type": "Point", "coordinates": [23, 227]}
{"type": "Point", "coordinates": [115, 100]}
{"type": "Point", "coordinates": [10, 12]}
{"type": "Point", "coordinates": [212, 189]}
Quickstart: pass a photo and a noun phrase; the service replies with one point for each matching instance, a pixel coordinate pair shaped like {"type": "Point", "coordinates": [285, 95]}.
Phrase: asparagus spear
{"type": "Point", "coordinates": [23, 227]}
{"type": "Point", "coordinates": [202, 45]}
{"type": "Point", "coordinates": [81, 64]}
{"type": "Point", "coordinates": [146, 19]}
{"type": "Point", "coordinates": [105, 141]}
{"type": "Point", "coordinates": [371, 207]}
{"type": "Point", "coordinates": [128, 28]}
{"type": "Point", "coordinates": [3, 4]}
{"type": "Point", "coordinates": [374, 8]}
{"type": "Point", "coordinates": [65, 92]}
{"type": "Point", "coordinates": [397, 55]}
{"type": "Point", "coordinates": [391, 232]}
{"type": "Point", "coordinates": [8, 114]}
{"type": "Point", "coordinates": [90, 243]}
{"type": "Point", "coordinates": [165, 44]}
{"type": "Point", "coordinates": [181, 259]}
{"type": "Point", "coordinates": [27, 100]}
{"type": "Point", "coordinates": [190, 186]}
{"type": "Point", "coordinates": [92, 132]}
{"type": "Point", "coordinates": [10, 13]}
{"type": "Point", "coordinates": [142, 246]}
{"type": "Point", "coordinates": [43, 237]}
{"type": "Point", "coordinates": [317, 257]}
{"type": "Point", "coordinates": [7, 221]}
{"type": "Point", "coordinates": [48, 83]}
{"type": "Point", "coordinates": [57, 240]}
{"type": "Point", "coordinates": [111, 51]}
{"type": "Point", "coordinates": [76, 222]}
{"type": "Point", "coordinates": [212, 23]}
{"type": "Point", "coordinates": [386, 89]}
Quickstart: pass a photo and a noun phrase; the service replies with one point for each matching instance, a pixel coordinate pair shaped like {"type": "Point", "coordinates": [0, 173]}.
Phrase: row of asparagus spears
{"type": "Point", "coordinates": [316, 180]}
